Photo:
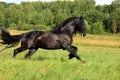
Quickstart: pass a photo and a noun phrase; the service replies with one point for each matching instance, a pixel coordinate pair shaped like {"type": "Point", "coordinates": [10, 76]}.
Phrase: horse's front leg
{"type": "Point", "coordinates": [76, 55]}
{"type": "Point", "coordinates": [73, 51]}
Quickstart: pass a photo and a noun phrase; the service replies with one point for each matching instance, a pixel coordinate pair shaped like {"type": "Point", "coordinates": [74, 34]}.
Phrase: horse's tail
{"type": "Point", "coordinates": [7, 38]}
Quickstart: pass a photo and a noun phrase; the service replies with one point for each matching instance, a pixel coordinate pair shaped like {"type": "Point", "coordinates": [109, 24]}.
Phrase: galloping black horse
{"type": "Point", "coordinates": [58, 38]}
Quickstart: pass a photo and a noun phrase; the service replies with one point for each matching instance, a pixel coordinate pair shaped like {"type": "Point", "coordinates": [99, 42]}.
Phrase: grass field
{"type": "Point", "coordinates": [101, 53]}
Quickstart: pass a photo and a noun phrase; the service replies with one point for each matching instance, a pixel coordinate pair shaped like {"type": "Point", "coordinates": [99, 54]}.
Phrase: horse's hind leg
{"type": "Point", "coordinates": [18, 50]}
{"type": "Point", "coordinates": [31, 52]}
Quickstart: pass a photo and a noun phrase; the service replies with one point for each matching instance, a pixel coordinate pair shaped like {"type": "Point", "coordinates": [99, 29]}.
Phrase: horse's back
{"type": "Point", "coordinates": [28, 38]}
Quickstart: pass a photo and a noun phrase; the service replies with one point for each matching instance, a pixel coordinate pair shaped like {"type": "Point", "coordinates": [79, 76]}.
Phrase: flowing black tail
{"type": "Point", "coordinates": [7, 38]}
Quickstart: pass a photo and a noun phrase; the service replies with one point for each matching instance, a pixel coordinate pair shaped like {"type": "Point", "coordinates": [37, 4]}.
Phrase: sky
{"type": "Point", "coordinates": [98, 2]}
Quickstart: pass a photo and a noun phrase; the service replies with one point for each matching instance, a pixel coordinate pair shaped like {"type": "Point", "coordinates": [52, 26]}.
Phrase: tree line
{"type": "Point", "coordinates": [46, 15]}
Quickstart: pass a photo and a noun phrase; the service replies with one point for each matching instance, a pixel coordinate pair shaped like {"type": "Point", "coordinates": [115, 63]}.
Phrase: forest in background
{"type": "Point", "coordinates": [38, 15]}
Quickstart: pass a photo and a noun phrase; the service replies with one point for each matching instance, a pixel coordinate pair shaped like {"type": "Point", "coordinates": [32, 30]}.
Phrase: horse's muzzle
{"type": "Point", "coordinates": [83, 34]}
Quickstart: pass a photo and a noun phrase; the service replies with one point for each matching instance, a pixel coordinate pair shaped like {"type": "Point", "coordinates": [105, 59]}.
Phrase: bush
{"type": "Point", "coordinates": [87, 26]}
{"type": "Point", "coordinates": [97, 28]}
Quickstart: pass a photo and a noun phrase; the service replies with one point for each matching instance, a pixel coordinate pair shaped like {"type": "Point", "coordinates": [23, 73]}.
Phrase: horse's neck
{"type": "Point", "coordinates": [68, 31]}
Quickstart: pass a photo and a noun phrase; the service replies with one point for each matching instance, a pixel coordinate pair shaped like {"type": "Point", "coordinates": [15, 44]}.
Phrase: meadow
{"type": "Point", "coordinates": [100, 52]}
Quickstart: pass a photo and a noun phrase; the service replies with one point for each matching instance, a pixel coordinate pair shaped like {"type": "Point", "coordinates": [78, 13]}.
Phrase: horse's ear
{"type": "Point", "coordinates": [81, 18]}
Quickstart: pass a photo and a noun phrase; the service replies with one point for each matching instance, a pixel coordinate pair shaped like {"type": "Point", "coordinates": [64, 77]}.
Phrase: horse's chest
{"type": "Point", "coordinates": [66, 39]}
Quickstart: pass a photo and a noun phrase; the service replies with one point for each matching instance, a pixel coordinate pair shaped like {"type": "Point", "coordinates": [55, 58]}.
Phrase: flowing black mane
{"type": "Point", "coordinates": [59, 26]}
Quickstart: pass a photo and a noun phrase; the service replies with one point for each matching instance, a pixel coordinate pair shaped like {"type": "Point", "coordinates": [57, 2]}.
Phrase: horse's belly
{"type": "Point", "coordinates": [46, 45]}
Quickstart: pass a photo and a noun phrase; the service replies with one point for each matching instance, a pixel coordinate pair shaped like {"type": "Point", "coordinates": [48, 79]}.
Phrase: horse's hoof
{"type": "Point", "coordinates": [70, 56]}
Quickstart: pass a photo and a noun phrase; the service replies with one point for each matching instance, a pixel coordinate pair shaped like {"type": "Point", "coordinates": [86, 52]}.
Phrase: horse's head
{"type": "Point", "coordinates": [80, 26]}
{"type": "Point", "coordinates": [72, 25]}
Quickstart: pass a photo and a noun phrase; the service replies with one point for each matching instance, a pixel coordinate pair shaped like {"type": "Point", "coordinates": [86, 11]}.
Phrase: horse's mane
{"type": "Point", "coordinates": [58, 27]}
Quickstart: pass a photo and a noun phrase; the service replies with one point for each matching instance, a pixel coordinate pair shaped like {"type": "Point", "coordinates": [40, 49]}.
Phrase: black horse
{"type": "Point", "coordinates": [58, 38]}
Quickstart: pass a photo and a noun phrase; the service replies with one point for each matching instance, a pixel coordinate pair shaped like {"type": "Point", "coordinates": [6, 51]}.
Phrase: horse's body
{"type": "Point", "coordinates": [45, 40]}
{"type": "Point", "coordinates": [59, 38]}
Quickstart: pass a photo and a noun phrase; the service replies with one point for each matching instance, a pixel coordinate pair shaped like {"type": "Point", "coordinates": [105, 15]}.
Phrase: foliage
{"type": "Point", "coordinates": [97, 28]}
{"type": "Point", "coordinates": [38, 15]}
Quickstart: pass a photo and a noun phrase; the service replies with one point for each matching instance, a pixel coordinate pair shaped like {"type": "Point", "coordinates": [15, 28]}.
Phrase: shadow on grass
{"type": "Point", "coordinates": [49, 58]}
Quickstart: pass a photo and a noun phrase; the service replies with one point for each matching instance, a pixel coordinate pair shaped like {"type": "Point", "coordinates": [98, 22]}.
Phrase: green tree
{"type": "Point", "coordinates": [114, 26]}
{"type": "Point", "coordinates": [97, 28]}
{"type": "Point", "coordinates": [45, 15]}
{"type": "Point", "coordinates": [2, 15]}
{"type": "Point", "coordinates": [11, 15]}
{"type": "Point", "coordinates": [88, 26]}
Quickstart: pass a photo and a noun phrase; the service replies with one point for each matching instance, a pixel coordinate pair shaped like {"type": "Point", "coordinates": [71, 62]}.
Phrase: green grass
{"type": "Point", "coordinates": [102, 63]}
